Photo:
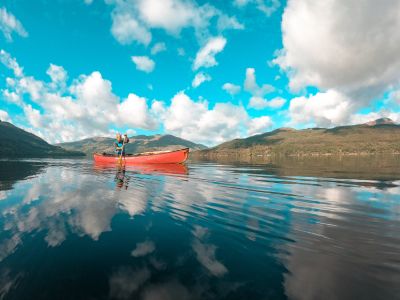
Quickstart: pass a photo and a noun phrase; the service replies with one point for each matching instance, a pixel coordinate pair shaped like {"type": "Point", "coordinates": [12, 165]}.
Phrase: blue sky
{"type": "Point", "coordinates": [205, 71]}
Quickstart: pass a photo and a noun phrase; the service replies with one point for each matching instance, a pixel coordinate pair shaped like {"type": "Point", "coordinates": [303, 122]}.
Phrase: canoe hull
{"type": "Point", "coordinates": [167, 157]}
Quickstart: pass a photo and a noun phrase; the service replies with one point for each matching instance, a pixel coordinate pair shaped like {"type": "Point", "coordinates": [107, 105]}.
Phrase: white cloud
{"type": "Point", "coordinates": [57, 73]}
{"type": "Point", "coordinates": [195, 121]}
{"type": "Point", "coordinates": [346, 45]}
{"type": "Point", "coordinates": [144, 63]}
{"type": "Point", "coordinates": [58, 76]}
{"type": "Point", "coordinates": [226, 22]}
{"type": "Point", "coordinates": [12, 97]}
{"type": "Point", "coordinates": [323, 109]}
{"type": "Point", "coordinates": [268, 7]}
{"type": "Point", "coordinates": [88, 2]}
{"type": "Point", "coordinates": [169, 15]}
{"type": "Point", "coordinates": [200, 78]}
{"type": "Point", "coordinates": [251, 86]}
{"type": "Point", "coordinates": [231, 88]}
{"type": "Point", "coordinates": [126, 29]}
{"type": "Point", "coordinates": [4, 116]}
{"type": "Point", "coordinates": [11, 63]}
{"type": "Point", "coordinates": [259, 125]}
{"type": "Point", "coordinates": [33, 116]}
{"type": "Point", "coordinates": [261, 103]}
{"type": "Point", "coordinates": [10, 24]}
{"type": "Point", "coordinates": [206, 55]}
{"type": "Point", "coordinates": [88, 107]}
{"type": "Point", "coordinates": [157, 48]}
{"type": "Point", "coordinates": [134, 111]}
{"type": "Point", "coordinates": [364, 118]}
{"type": "Point", "coordinates": [157, 107]}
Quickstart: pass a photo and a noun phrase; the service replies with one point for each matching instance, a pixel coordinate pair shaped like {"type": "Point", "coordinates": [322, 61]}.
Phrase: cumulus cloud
{"type": "Point", "coordinates": [88, 108]}
{"type": "Point", "coordinates": [251, 86]}
{"type": "Point", "coordinates": [194, 120]}
{"type": "Point", "coordinates": [231, 88]}
{"type": "Point", "coordinates": [172, 15]}
{"type": "Point", "coordinates": [33, 116]}
{"type": "Point", "coordinates": [126, 29]}
{"type": "Point", "coordinates": [346, 48]}
{"type": "Point", "coordinates": [200, 78]}
{"type": "Point", "coordinates": [11, 97]}
{"type": "Point", "coordinates": [261, 103]}
{"type": "Point", "coordinates": [10, 24]}
{"type": "Point", "coordinates": [11, 63]}
{"type": "Point", "coordinates": [205, 57]}
{"type": "Point", "coordinates": [135, 112]}
{"type": "Point", "coordinates": [144, 63]}
{"type": "Point", "coordinates": [323, 109]}
{"type": "Point", "coordinates": [134, 20]}
{"type": "Point", "coordinates": [4, 116]}
{"type": "Point", "coordinates": [259, 125]}
{"type": "Point", "coordinates": [333, 108]}
{"type": "Point", "coordinates": [57, 73]}
{"type": "Point", "coordinates": [347, 45]}
{"type": "Point", "coordinates": [157, 48]}
{"type": "Point", "coordinates": [58, 76]}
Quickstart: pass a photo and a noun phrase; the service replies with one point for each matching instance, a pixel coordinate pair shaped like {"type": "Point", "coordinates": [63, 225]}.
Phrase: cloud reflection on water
{"type": "Point", "coordinates": [317, 234]}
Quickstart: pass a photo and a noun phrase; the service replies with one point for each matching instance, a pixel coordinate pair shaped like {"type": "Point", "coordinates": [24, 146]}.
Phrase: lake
{"type": "Point", "coordinates": [291, 229]}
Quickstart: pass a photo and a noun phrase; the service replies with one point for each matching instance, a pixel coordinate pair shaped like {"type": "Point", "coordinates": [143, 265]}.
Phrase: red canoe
{"type": "Point", "coordinates": [159, 157]}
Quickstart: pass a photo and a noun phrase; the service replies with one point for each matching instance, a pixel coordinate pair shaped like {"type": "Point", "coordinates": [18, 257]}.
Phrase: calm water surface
{"type": "Point", "coordinates": [73, 230]}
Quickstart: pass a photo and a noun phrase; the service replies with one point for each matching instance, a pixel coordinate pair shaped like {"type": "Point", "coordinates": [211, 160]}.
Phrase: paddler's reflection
{"type": "Point", "coordinates": [122, 181]}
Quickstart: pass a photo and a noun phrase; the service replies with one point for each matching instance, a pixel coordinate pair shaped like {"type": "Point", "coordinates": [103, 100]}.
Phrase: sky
{"type": "Point", "coordinates": [206, 71]}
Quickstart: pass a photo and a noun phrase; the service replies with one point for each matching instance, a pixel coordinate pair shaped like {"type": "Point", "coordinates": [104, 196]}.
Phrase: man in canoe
{"type": "Point", "coordinates": [120, 144]}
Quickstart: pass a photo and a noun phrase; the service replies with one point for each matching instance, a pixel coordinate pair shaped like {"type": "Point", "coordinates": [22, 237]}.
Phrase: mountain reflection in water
{"type": "Point", "coordinates": [283, 230]}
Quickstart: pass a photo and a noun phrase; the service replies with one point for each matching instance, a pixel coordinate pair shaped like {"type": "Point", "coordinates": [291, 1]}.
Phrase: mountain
{"type": "Point", "coordinates": [139, 143]}
{"type": "Point", "coordinates": [379, 136]}
{"type": "Point", "coordinates": [16, 142]}
{"type": "Point", "coordinates": [381, 121]}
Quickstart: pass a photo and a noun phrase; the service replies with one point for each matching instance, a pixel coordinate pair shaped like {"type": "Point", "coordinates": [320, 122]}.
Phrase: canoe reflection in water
{"type": "Point", "coordinates": [122, 179]}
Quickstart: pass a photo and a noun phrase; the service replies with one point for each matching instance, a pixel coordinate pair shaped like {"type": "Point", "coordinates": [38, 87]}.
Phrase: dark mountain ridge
{"type": "Point", "coordinates": [16, 142]}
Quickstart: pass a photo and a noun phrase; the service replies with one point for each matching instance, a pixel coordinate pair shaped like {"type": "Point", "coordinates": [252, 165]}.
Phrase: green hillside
{"type": "Point", "coordinates": [16, 142]}
{"type": "Point", "coordinates": [140, 143]}
{"type": "Point", "coordinates": [378, 137]}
